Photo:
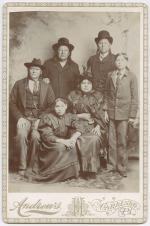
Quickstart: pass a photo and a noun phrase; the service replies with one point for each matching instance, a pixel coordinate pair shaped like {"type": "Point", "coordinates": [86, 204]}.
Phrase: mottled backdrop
{"type": "Point", "coordinates": [33, 33]}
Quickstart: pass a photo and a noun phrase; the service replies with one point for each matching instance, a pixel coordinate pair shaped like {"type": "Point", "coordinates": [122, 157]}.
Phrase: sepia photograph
{"type": "Point", "coordinates": [75, 91]}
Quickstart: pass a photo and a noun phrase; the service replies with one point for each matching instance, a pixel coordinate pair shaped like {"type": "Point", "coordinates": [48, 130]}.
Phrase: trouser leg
{"type": "Point", "coordinates": [22, 145]}
{"type": "Point", "coordinates": [33, 148]}
{"type": "Point", "coordinates": [122, 155]}
{"type": "Point", "coordinates": [112, 144]}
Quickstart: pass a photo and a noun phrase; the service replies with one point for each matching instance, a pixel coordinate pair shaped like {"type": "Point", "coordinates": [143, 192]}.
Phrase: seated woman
{"type": "Point", "coordinates": [57, 158]}
{"type": "Point", "coordinates": [88, 105]}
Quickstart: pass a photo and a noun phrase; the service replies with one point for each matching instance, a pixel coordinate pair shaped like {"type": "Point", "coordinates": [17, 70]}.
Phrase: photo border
{"type": "Point", "coordinates": [5, 112]}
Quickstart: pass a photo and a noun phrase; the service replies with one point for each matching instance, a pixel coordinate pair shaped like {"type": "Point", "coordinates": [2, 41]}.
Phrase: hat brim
{"type": "Point", "coordinates": [110, 39]}
{"type": "Point", "coordinates": [56, 46]}
{"type": "Point", "coordinates": [28, 65]}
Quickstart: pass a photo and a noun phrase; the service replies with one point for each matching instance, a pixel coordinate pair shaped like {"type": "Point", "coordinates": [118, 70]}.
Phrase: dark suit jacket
{"type": "Point", "coordinates": [123, 103]}
{"type": "Point", "coordinates": [18, 98]}
{"type": "Point", "coordinates": [100, 70]}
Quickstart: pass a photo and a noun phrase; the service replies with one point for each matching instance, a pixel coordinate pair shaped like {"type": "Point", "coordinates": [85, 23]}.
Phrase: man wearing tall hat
{"type": "Point", "coordinates": [100, 65]}
{"type": "Point", "coordinates": [103, 62]}
{"type": "Point", "coordinates": [61, 70]}
{"type": "Point", "coordinates": [30, 98]}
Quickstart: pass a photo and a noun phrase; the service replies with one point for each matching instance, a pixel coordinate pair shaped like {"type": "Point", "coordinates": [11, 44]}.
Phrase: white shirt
{"type": "Point", "coordinates": [31, 85]}
{"type": "Point", "coordinates": [102, 56]}
{"type": "Point", "coordinates": [121, 74]}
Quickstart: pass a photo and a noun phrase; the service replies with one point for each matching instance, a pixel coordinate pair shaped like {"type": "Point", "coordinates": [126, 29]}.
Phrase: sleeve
{"type": "Point", "coordinates": [97, 111]}
{"type": "Point", "coordinates": [46, 131]}
{"type": "Point", "coordinates": [89, 63]}
{"type": "Point", "coordinates": [134, 97]}
{"type": "Point", "coordinates": [106, 91]}
{"type": "Point", "coordinates": [50, 101]}
{"type": "Point", "coordinates": [16, 113]}
{"type": "Point", "coordinates": [72, 102]}
{"type": "Point", "coordinates": [46, 72]}
{"type": "Point", "coordinates": [75, 123]}
{"type": "Point", "coordinates": [76, 75]}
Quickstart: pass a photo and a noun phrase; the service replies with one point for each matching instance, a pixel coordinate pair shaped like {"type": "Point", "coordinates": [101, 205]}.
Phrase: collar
{"type": "Point", "coordinates": [102, 56]}
{"type": "Point", "coordinates": [58, 116]}
{"type": "Point", "coordinates": [108, 55]}
{"type": "Point", "coordinates": [124, 72]}
{"type": "Point", "coordinates": [88, 93]}
{"type": "Point", "coordinates": [30, 80]}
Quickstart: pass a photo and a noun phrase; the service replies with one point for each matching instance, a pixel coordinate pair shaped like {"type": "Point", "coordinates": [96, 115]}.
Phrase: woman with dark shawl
{"type": "Point", "coordinates": [88, 105]}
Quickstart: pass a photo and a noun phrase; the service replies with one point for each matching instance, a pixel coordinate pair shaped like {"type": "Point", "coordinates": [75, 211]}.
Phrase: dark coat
{"type": "Point", "coordinates": [123, 103]}
{"type": "Point", "coordinates": [62, 79]}
{"type": "Point", "coordinates": [18, 98]}
{"type": "Point", "coordinates": [100, 70]}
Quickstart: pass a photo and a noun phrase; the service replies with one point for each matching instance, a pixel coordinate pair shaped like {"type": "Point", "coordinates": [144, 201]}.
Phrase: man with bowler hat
{"type": "Point", "coordinates": [30, 98]}
{"type": "Point", "coordinates": [100, 65]}
{"type": "Point", "coordinates": [103, 62]}
{"type": "Point", "coordinates": [61, 70]}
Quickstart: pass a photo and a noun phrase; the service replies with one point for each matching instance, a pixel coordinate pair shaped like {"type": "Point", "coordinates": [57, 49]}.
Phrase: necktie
{"type": "Point", "coordinates": [35, 87]}
{"type": "Point", "coordinates": [118, 80]}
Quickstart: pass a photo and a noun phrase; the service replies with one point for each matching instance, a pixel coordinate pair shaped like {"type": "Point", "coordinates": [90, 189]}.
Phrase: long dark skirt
{"type": "Point", "coordinates": [89, 147]}
{"type": "Point", "coordinates": [54, 163]}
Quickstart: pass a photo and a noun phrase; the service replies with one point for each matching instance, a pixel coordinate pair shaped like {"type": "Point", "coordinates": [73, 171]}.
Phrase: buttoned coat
{"type": "Point", "coordinates": [121, 103]}
{"type": "Point", "coordinates": [100, 70]}
{"type": "Point", "coordinates": [62, 79]}
{"type": "Point", "coordinates": [18, 98]}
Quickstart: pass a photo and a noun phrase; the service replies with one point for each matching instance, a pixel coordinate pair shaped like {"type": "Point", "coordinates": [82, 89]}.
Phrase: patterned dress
{"type": "Point", "coordinates": [89, 145]}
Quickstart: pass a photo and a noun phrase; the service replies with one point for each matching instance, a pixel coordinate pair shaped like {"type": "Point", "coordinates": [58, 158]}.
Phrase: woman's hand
{"type": "Point", "coordinates": [97, 131]}
{"type": "Point", "coordinates": [67, 142]}
{"type": "Point", "coordinates": [86, 116]}
{"type": "Point", "coordinates": [106, 117]}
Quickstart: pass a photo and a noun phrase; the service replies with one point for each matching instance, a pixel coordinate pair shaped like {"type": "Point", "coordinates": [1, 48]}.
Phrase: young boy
{"type": "Point", "coordinates": [121, 104]}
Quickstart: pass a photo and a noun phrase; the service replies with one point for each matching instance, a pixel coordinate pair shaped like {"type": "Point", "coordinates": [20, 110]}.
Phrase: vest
{"type": "Point", "coordinates": [32, 104]}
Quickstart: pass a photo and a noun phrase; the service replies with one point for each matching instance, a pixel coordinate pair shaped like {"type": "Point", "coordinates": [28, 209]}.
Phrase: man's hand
{"type": "Point", "coordinates": [106, 117]}
{"type": "Point", "coordinates": [97, 131]}
{"type": "Point", "coordinates": [131, 121]}
{"type": "Point", "coordinates": [22, 123]}
{"type": "Point", "coordinates": [46, 80]}
{"type": "Point", "coordinates": [67, 143]}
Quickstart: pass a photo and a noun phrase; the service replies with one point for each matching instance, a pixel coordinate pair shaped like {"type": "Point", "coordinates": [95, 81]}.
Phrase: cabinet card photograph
{"type": "Point", "coordinates": [75, 112]}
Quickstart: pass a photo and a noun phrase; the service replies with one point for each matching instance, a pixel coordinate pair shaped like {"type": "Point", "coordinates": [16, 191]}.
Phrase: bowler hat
{"type": "Point", "coordinates": [35, 62]}
{"type": "Point", "coordinates": [63, 42]}
{"type": "Point", "coordinates": [104, 35]}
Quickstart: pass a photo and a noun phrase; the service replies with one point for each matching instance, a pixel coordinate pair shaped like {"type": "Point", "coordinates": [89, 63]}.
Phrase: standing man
{"type": "Point", "coordinates": [61, 71]}
{"type": "Point", "coordinates": [103, 62]}
{"type": "Point", "coordinates": [30, 98]}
